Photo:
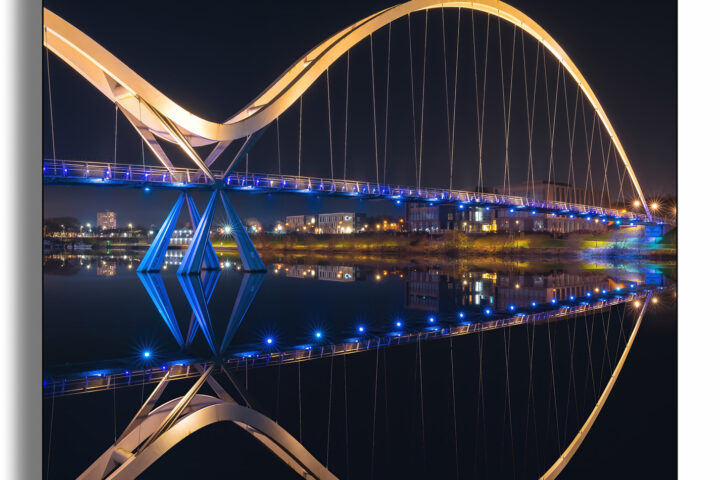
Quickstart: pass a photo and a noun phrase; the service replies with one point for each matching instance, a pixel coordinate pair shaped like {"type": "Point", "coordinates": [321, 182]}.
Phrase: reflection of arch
{"type": "Point", "coordinates": [152, 113]}
{"type": "Point", "coordinates": [119, 463]}
{"type": "Point", "coordinates": [569, 452]}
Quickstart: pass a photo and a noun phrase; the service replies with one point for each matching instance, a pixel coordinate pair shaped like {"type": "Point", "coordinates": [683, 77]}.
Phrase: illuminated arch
{"type": "Point", "coordinates": [149, 109]}
{"type": "Point", "coordinates": [119, 463]}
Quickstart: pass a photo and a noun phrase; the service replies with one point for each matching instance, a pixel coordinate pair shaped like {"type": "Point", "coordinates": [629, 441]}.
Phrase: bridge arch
{"type": "Point", "coordinates": [148, 108]}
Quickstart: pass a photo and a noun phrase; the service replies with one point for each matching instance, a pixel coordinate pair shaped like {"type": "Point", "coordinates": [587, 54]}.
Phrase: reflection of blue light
{"type": "Point", "coordinates": [269, 340]}
{"type": "Point", "coordinates": [164, 367]}
{"type": "Point", "coordinates": [431, 319]}
{"type": "Point", "coordinates": [398, 202]}
{"type": "Point", "coordinates": [318, 334]}
{"type": "Point", "coordinates": [632, 285]}
{"type": "Point", "coordinates": [462, 207]}
{"type": "Point", "coordinates": [533, 212]}
{"type": "Point", "coordinates": [146, 354]}
{"type": "Point", "coordinates": [488, 311]}
{"type": "Point", "coordinates": [617, 289]}
{"type": "Point", "coordinates": [127, 372]}
{"type": "Point", "coordinates": [487, 209]}
{"type": "Point", "coordinates": [147, 189]}
{"type": "Point", "coordinates": [512, 210]}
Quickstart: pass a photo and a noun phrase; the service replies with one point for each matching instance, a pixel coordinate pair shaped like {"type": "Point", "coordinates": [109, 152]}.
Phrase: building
{"type": "Point", "coordinates": [301, 223]}
{"type": "Point", "coordinates": [438, 218]}
{"type": "Point", "coordinates": [181, 236]}
{"type": "Point", "coordinates": [107, 220]}
{"type": "Point", "coordinates": [343, 222]}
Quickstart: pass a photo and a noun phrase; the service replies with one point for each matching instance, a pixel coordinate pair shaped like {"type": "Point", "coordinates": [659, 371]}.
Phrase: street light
{"type": "Point", "coordinates": [654, 206]}
{"type": "Point", "coordinates": [636, 203]}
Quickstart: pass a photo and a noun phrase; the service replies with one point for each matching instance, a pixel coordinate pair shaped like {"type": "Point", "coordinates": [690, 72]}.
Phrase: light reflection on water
{"type": "Point", "coordinates": [511, 399]}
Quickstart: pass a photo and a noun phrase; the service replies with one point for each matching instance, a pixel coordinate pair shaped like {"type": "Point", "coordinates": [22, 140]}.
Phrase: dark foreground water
{"type": "Point", "coordinates": [498, 404]}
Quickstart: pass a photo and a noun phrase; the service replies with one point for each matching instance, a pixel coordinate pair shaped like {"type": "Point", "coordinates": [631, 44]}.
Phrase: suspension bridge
{"type": "Point", "coordinates": [572, 143]}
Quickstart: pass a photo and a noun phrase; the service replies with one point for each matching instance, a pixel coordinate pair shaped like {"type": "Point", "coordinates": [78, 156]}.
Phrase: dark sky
{"type": "Point", "coordinates": [215, 59]}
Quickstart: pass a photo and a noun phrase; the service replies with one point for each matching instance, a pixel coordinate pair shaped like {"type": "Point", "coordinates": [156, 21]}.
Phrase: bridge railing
{"type": "Point", "coordinates": [109, 173]}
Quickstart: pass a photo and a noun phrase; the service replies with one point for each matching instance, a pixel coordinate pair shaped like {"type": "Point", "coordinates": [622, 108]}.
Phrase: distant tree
{"type": "Point", "coordinates": [57, 224]}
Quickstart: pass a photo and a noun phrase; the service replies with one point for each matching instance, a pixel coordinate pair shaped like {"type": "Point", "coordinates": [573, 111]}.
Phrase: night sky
{"type": "Point", "coordinates": [215, 59]}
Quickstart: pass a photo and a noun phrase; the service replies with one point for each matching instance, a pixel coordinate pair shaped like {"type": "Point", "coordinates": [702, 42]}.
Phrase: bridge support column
{"type": "Point", "coordinates": [153, 260]}
{"type": "Point", "coordinates": [193, 259]}
{"type": "Point", "coordinates": [249, 257]}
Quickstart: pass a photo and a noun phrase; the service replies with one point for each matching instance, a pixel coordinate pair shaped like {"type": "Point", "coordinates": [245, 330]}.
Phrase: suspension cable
{"type": "Point", "coordinates": [277, 130]}
{"type": "Point", "coordinates": [347, 430]}
{"type": "Point", "coordinates": [422, 101]}
{"type": "Point", "coordinates": [347, 104]}
{"type": "Point", "coordinates": [327, 450]}
{"type": "Point", "coordinates": [327, 78]}
{"type": "Point", "coordinates": [530, 112]}
{"type": "Point", "coordinates": [482, 117]}
{"type": "Point", "coordinates": [52, 121]}
{"type": "Point", "coordinates": [452, 377]}
{"type": "Point", "coordinates": [116, 137]}
{"type": "Point", "coordinates": [455, 81]}
{"type": "Point", "coordinates": [551, 122]}
{"type": "Point", "coordinates": [571, 133]}
{"type": "Point", "coordinates": [588, 147]}
{"type": "Point", "coordinates": [412, 101]}
{"type": "Point", "coordinates": [447, 90]}
{"type": "Point", "coordinates": [300, 137]}
{"type": "Point", "coordinates": [387, 104]}
{"type": "Point", "coordinates": [52, 420]}
{"type": "Point", "coordinates": [372, 449]}
{"type": "Point", "coordinates": [299, 405]}
{"type": "Point", "coordinates": [372, 78]}
{"type": "Point", "coordinates": [507, 109]}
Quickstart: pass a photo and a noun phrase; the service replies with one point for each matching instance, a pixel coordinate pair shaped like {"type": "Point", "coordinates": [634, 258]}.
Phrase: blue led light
{"type": "Point", "coordinates": [533, 304]}
{"type": "Point", "coordinates": [588, 294]}
{"type": "Point", "coordinates": [488, 311]}
{"type": "Point", "coordinates": [398, 324]}
{"type": "Point", "coordinates": [604, 291]}
{"type": "Point", "coordinates": [572, 297]}
{"type": "Point", "coordinates": [318, 334]}
{"type": "Point", "coordinates": [461, 314]}
{"type": "Point", "coordinates": [146, 354]}
{"type": "Point", "coordinates": [553, 301]}
{"type": "Point", "coordinates": [127, 372]}
{"type": "Point", "coordinates": [512, 308]}
{"type": "Point", "coordinates": [431, 319]}
{"type": "Point", "coordinates": [269, 340]}
{"type": "Point", "coordinates": [361, 329]}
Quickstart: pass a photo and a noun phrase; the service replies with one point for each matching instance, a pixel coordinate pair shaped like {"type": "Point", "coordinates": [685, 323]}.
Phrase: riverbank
{"type": "Point", "coordinates": [626, 243]}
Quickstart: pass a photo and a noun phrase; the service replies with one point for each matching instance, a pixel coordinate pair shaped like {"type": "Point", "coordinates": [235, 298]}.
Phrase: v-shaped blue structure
{"type": "Point", "coordinates": [200, 253]}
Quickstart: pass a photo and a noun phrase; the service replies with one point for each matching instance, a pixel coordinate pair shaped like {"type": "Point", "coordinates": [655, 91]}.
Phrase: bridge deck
{"type": "Point", "coordinates": [95, 173]}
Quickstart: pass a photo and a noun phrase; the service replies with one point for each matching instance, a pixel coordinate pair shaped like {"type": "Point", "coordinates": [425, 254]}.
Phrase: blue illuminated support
{"type": "Point", "coordinates": [249, 257]}
{"type": "Point", "coordinates": [156, 289]}
{"type": "Point", "coordinates": [246, 293]}
{"type": "Point", "coordinates": [209, 279]}
{"type": "Point", "coordinates": [195, 253]}
{"type": "Point", "coordinates": [194, 292]}
{"type": "Point", "coordinates": [153, 260]}
{"type": "Point", "coordinates": [211, 259]}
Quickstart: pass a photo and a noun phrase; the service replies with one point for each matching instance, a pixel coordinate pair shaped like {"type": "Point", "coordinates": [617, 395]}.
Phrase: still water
{"type": "Point", "coordinates": [501, 403]}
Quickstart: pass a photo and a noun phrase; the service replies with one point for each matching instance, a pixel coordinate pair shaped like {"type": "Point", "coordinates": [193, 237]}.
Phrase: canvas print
{"type": "Point", "coordinates": [359, 240]}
